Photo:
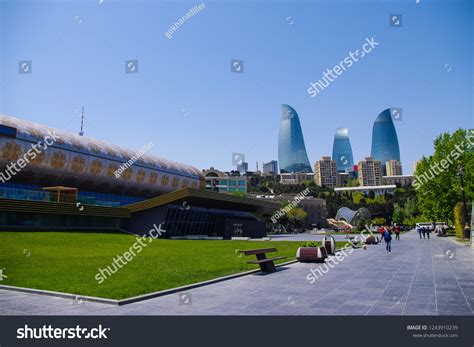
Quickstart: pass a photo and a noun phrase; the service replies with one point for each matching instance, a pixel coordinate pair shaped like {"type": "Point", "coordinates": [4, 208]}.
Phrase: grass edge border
{"type": "Point", "coordinates": [139, 297]}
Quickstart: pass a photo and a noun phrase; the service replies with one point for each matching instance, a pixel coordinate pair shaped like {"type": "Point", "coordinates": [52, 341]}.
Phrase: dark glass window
{"type": "Point", "coordinates": [7, 131]}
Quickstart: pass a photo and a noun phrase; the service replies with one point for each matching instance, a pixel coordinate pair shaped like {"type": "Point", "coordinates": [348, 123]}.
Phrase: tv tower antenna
{"type": "Point", "coordinates": [81, 133]}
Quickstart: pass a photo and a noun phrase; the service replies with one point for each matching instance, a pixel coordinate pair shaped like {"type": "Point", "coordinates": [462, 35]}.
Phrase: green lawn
{"type": "Point", "coordinates": [69, 262]}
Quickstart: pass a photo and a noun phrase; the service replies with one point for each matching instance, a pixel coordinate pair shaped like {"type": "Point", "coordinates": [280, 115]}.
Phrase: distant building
{"type": "Point", "coordinates": [292, 154]}
{"type": "Point", "coordinates": [342, 150]}
{"type": "Point", "coordinates": [393, 168]}
{"type": "Point", "coordinates": [342, 179]}
{"type": "Point", "coordinates": [378, 190]}
{"type": "Point", "coordinates": [270, 168]}
{"type": "Point", "coordinates": [295, 177]}
{"type": "Point", "coordinates": [400, 180]}
{"type": "Point", "coordinates": [325, 172]}
{"type": "Point", "coordinates": [384, 139]}
{"type": "Point", "coordinates": [244, 167]}
{"type": "Point", "coordinates": [370, 172]}
{"type": "Point", "coordinates": [315, 207]}
{"type": "Point", "coordinates": [223, 182]}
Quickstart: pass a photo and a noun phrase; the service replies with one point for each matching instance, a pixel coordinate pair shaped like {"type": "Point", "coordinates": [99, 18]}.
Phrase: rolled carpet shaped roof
{"type": "Point", "coordinates": [88, 164]}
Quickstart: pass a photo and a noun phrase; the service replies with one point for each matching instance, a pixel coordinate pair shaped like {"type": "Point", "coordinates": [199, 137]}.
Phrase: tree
{"type": "Point", "coordinates": [436, 182]}
{"type": "Point", "coordinates": [379, 221]}
{"type": "Point", "coordinates": [296, 216]}
{"type": "Point", "coordinates": [398, 214]}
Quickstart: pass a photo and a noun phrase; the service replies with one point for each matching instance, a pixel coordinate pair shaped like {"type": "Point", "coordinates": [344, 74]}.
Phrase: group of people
{"type": "Point", "coordinates": [386, 235]}
{"type": "Point", "coordinates": [424, 230]}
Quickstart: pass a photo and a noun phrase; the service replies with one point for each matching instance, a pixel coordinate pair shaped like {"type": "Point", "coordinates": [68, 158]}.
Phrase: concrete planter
{"type": "Point", "coordinates": [329, 242]}
{"type": "Point", "coordinates": [311, 254]}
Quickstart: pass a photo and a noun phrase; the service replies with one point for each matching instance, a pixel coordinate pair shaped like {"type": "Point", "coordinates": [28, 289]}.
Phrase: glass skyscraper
{"type": "Point", "coordinates": [342, 151]}
{"type": "Point", "coordinates": [384, 139]}
{"type": "Point", "coordinates": [291, 149]}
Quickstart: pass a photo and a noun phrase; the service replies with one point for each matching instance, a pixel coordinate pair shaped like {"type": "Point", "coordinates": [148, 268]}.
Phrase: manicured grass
{"type": "Point", "coordinates": [69, 262]}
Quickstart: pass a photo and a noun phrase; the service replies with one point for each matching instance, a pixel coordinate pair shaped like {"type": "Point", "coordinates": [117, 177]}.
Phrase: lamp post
{"type": "Point", "coordinates": [466, 226]}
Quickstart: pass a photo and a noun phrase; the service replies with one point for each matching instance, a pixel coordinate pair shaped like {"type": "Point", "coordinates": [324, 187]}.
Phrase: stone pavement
{"type": "Point", "coordinates": [420, 277]}
{"type": "Point", "coordinates": [307, 237]}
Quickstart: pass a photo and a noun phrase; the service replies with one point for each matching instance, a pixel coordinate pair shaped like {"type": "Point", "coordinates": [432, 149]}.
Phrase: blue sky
{"type": "Point", "coordinates": [186, 100]}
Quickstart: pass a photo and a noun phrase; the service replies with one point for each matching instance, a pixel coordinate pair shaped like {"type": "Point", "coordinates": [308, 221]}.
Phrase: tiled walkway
{"type": "Point", "coordinates": [420, 277]}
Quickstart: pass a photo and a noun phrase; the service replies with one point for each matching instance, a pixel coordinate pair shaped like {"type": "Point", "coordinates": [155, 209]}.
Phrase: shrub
{"type": "Point", "coordinates": [459, 219]}
{"type": "Point", "coordinates": [310, 244]}
{"type": "Point", "coordinates": [379, 221]}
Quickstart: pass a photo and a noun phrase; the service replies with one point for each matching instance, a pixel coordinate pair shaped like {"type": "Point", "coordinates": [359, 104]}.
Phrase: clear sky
{"type": "Point", "coordinates": [186, 100]}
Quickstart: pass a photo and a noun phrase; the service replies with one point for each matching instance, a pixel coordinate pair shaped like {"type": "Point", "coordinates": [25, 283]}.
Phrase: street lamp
{"type": "Point", "coordinates": [466, 226]}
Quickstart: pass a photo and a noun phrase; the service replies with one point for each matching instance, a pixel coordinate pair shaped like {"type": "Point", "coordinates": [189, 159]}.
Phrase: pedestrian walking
{"type": "Point", "coordinates": [429, 230]}
{"type": "Point", "coordinates": [381, 231]}
{"type": "Point", "coordinates": [418, 228]}
{"type": "Point", "coordinates": [424, 232]}
{"type": "Point", "coordinates": [388, 241]}
{"type": "Point", "coordinates": [396, 230]}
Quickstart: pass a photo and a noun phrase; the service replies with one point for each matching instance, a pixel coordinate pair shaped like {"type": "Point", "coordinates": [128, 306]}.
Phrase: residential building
{"type": "Point", "coordinates": [370, 173]}
{"type": "Point", "coordinates": [270, 168]}
{"type": "Point", "coordinates": [243, 167]}
{"type": "Point", "coordinates": [295, 177]}
{"type": "Point", "coordinates": [342, 179]}
{"type": "Point", "coordinates": [378, 190]}
{"type": "Point", "coordinates": [404, 181]}
{"type": "Point", "coordinates": [325, 172]}
{"type": "Point", "coordinates": [393, 168]}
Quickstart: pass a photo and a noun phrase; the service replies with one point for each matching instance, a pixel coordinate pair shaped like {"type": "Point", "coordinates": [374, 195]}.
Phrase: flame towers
{"type": "Point", "coordinates": [342, 151]}
{"type": "Point", "coordinates": [384, 139]}
{"type": "Point", "coordinates": [291, 148]}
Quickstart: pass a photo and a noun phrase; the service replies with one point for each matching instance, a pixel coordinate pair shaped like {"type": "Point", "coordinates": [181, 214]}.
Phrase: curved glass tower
{"type": "Point", "coordinates": [342, 150]}
{"type": "Point", "coordinates": [384, 139]}
{"type": "Point", "coordinates": [291, 149]}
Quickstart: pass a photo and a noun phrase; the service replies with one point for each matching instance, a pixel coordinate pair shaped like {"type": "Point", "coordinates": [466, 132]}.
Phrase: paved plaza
{"type": "Point", "coordinates": [308, 237]}
{"type": "Point", "coordinates": [420, 277]}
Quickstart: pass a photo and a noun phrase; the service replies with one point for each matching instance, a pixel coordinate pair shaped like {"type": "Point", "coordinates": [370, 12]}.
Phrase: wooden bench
{"type": "Point", "coordinates": [266, 264]}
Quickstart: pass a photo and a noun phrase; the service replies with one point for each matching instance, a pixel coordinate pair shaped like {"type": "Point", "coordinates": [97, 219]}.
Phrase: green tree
{"type": "Point", "coordinates": [296, 216]}
{"type": "Point", "coordinates": [436, 181]}
{"type": "Point", "coordinates": [379, 221]}
{"type": "Point", "coordinates": [399, 215]}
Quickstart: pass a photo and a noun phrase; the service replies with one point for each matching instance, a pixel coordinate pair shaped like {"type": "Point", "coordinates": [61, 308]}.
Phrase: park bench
{"type": "Point", "coordinates": [266, 264]}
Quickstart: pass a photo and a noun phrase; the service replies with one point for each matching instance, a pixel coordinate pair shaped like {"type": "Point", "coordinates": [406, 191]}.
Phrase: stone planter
{"type": "Point", "coordinates": [311, 254]}
{"type": "Point", "coordinates": [329, 242]}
